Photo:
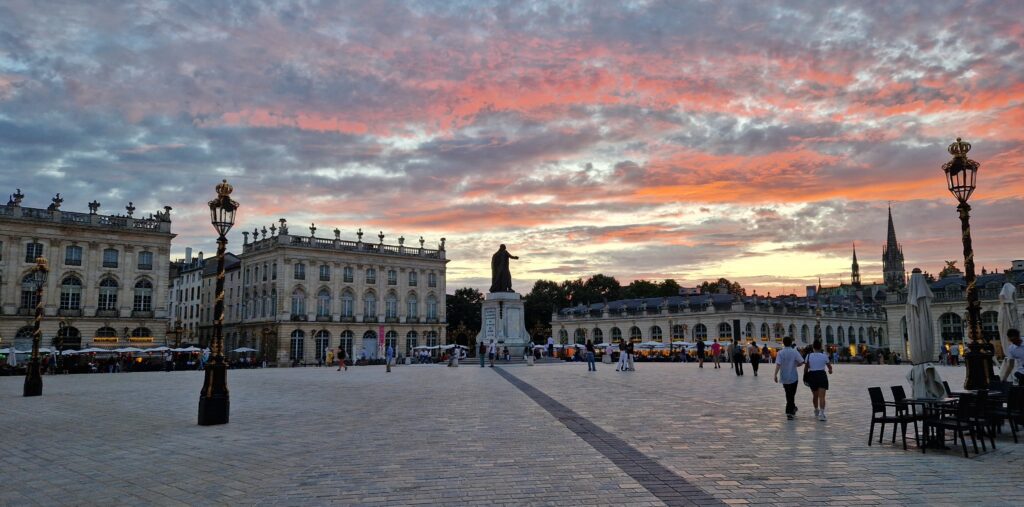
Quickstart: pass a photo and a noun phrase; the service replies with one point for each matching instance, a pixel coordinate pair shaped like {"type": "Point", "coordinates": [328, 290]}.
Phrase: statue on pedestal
{"type": "Point", "coordinates": [501, 278]}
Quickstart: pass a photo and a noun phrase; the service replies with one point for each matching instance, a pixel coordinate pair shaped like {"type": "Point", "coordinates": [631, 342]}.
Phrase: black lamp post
{"type": "Point", "coordinates": [33, 376]}
{"type": "Point", "coordinates": [961, 179]}
{"type": "Point", "coordinates": [214, 403]}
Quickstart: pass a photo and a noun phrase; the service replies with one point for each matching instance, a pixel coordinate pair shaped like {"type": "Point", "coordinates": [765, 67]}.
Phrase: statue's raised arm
{"type": "Point", "coordinates": [501, 278]}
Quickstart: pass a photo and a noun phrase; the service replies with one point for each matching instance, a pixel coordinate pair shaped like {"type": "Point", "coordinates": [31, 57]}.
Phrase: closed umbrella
{"type": "Point", "coordinates": [924, 378]}
{"type": "Point", "coordinates": [1008, 319]}
{"type": "Point", "coordinates": [12, 356]}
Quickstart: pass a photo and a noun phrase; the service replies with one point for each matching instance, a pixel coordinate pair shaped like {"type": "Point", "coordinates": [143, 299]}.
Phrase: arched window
{"type": "Point", "coordinates": [431, 337]}
{"type": "Point", "coordinates": [598, 335]}
{"type": "Point", "coordinates": [23, 338]}
{"type": "Point", "coordinates": [431, 307]}
{"type": "Point", "coordinates": [410, 342]}
{"type": "Point", "coordinates": [323, 303]}
{"type": "Point", "coordinates": [273, 302]}
{"type": "Point", "coordinates": [724, 331]}
{"type": "Point", "coordinates": [656, 333]}
{"type": "Point", "coordinates": [841, 336]}
{"type": "Point", "coordinates": [700, 332]}
{"type": "Point", "coordinates": [779, 329]}
{"type": "Point", "coordinates": [371, 276]}
{"type": "Point", "coordinates": [273, 271]}
{"type": "Point", "coordinates": [106, 332]}
{"type": "Point", "coordinates": [369, 305]}
{"type": "Point", "coordinates": [563, 336]}
{"type": "Point", "coordinates": [298, 344]}
{"type": "Point", "coordinates": [28, 292]}
{"type": "Point", "coordinates": [580, 336]}
{"type": "Point", "coordinates": [861, 336]}
{"type": "Point", "coordinates": [990, 326]}
{"type": "Point", "coordinates": [678, 333]}
{"type": "Point", "coordinates": [765, 332]}
{"type": "Point", "coordinates": [829, 337]}
{"type": "Point", "coordinates": [852, 334]}
{"type": "Point", "coordinates": [68, 337]}
{"type": "Point", "coordinates": [616, 335]}
{"type": "Point", "coordinates": [391, 306]}
{"type": "Point", "coordinates": [70, 293]}
{"type": "Point", "coordinates": [750, 330]}
{"type": "Point", "coordinates": [792, 330]}
{"type": "Point", "coordinates": [143, 300]}
{"type": "Point", "coordinates": [391, 340]}
{"type": "Point", "coordinates": [322, 341]}
{"type": "Point", "coordinates": [805, 333]}
{"type": "Point", "coordinates": [298, 302]}
{"type": "Point", "coordinates": [141, 332]}
{"type": "Point", "coordinates": [635, 335]}
{"type": "Point", "coordinates": [347, 304]}
{"type": "Point", "coordinates": [412, 306]}
{"type": "Point", "coordinates": [345, 342]}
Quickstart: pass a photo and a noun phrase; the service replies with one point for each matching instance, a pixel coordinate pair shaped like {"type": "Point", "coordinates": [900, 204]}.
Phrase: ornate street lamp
{"type": "Point", "coordinates": [214, 403]}
{"type": "Point", "coordinates": [961, 179]}
{"type": "Point", "coordinates": [34, 377]}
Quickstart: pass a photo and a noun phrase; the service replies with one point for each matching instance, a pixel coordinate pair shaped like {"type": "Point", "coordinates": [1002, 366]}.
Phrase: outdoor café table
{"type": "Point", "coordinates": [932, 407]}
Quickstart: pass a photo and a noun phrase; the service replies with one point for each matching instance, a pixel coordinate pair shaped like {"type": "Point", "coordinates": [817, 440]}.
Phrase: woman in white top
{"type": "Point", "coordinates": [816, 379]}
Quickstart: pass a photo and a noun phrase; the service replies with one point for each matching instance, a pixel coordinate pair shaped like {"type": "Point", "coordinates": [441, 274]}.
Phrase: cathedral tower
{"type": "Point", "coordinates": [855, 273]}
{"type": "Point", "coordinates": [892, 260]}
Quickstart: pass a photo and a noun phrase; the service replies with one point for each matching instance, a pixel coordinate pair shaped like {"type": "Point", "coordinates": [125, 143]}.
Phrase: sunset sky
{"type": "Point", "coordinates": [756, 140]}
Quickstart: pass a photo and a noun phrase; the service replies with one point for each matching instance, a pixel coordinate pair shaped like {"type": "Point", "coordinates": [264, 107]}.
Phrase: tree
{"type": "Point", "coordinates": [545, 297]}
{"type": "Point", "coordinates": [603, 288]}
{"type": "Point", "coordinates": [733, 288]}
{"type": "Point", "coordinates": [640, 289]}
{"type": "Point", "coordinates": [463, 308]}
{"type": "Point", "coordinates": [668, 288]}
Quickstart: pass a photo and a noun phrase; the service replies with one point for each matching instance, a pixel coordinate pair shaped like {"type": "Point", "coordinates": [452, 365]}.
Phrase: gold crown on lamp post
{"type": "Point", "coordinates": [959, 148]}
{"type": "Point", "coordinates": [224, 188]}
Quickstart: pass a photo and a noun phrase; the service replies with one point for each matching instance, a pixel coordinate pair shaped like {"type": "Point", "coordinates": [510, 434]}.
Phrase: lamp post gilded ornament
{"type": "Point", "coordinates": [33, 375]}
{"type": "Point", "coordinates": [214, 403]}
{"type": "Point", "coordinates": [961, 179]}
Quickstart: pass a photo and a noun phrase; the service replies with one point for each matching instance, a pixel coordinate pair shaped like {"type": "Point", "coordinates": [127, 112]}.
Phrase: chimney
{"type": "Point", "coordinates": [188, 255]}
{"type": "Point", "coordinates": [199, 259]}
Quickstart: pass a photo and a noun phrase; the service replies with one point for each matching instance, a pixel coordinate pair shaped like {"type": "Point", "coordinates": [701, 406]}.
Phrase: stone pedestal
{"type": "Point", "coordinates": [503, 319]}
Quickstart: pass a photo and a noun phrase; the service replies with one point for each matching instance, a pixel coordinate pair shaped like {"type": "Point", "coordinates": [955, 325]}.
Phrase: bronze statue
{"type": "Point", "coordinates": [501, 278]}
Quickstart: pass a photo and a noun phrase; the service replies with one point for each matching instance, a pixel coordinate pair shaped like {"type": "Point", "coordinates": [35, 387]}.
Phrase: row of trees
{"type": "Point", "coordinates": [463, 307]}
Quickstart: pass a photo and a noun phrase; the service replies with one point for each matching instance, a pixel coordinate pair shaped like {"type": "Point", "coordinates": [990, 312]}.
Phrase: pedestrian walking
{"type": "Point", "coordinates": [551, 346]}
{"type": "Point", "coordinates": [766, 355]}
{"type": "Point", "coordinates": [623, 358]}
{"type": "Point", "coordinates": [492, 350]}
{"type": "Point", "coordinates": [700, 352]}
{"type": "Point", "coordinates": [389, 357]}
{"type": "Point", "coordinates": [481, 351]}
{"type": "Point", "coordinates": [505, 355]}
{"type": "Point", "coordinates": [817, 380]}
{"type": "Point", "coordinates": [341, 359]}
{"type": "Point", "coordinates": [755, 357]}
{"type": "Point", "coordinates": [629, 356]}
{"type": "Point", "coordinates": [1016, 352]}
{"type": "Point", "coordinates": [737, 357]}
{"type": "Point", "coordinates": [716, 353]}
{"type": "Point", "coordinates": [954, 354]}
{"type": "Point", "coordinates": [786, 363]}
{"type": "Point", "coordinates": [590, 356]}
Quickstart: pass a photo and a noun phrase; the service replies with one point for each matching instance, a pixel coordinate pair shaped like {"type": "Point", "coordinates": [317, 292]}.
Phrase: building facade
{"type": "Point", "coordinates": [841, 322]}
{"type": "Point", "coordinates": [107, 285]}
{"type": "Point", "coordinates": [183, 300]}
{"type": "Point", "coordinates": [300, 295]}
{"type": "Point", "coordinates": [949, 307]}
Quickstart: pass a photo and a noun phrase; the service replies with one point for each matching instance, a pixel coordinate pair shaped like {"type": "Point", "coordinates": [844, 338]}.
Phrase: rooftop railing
{"type": "Point", "coordinates": [84, 219]}
{"type": "Point", "coordinates": [340, 244]}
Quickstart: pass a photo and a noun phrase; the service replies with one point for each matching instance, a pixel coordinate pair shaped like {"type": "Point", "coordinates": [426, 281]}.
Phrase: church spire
{"type": "Point", "coordinates": [855, 274]}
{"type": "Point", "coordinates": [892, 259]}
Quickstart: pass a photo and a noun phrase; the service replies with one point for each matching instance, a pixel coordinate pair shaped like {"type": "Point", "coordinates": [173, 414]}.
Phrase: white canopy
{"type": "Point", "coordinates": [93, 350]}
{"type": "Point", "coordinates": [123, 350]}
{"type": "Point", "coordinates": [446, 347]}
{"type": "Point", "coordinates": [1008, 319]}
{"type": "Point", "coordinates": [70, 352]}
{"type": "Point", "coordinates": [187, 349]}
{"type": "Point", "coordinates": [244, 349]}
{"type": "Point", "coordinates": [157, 349]}
{"type": "Point", "coordinates": [16, 351]}
{"type": "Point", "coordinates": [924, 378]}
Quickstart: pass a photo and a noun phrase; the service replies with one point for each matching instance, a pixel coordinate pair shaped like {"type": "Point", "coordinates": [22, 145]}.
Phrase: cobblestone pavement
{"type": "Point", "coordinates": [436, 435]}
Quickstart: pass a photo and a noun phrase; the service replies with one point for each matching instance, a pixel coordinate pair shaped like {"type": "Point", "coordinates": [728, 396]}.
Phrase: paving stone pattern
{"type": "Point", "coordinates": [467, 436]}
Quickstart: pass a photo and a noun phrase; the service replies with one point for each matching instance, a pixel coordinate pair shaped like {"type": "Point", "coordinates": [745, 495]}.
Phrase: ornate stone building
{"type": "Point", "coordinates": [843, 321]}
{"type": "Point", "coordinates": [301, 294]}
{"type": "Point", "coordinates": [108, 275]}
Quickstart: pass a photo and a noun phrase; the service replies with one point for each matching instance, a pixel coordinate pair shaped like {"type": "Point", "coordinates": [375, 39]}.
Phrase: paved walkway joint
{"type": "Point", "coordinates": [660, 481]}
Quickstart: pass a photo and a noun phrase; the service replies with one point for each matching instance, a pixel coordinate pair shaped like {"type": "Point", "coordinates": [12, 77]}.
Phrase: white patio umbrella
{"type": "Point", "coordinates": [157, 349]}
{"type": "Point", "coordinates": [1008, 319]}
{"type": "Point", "coordinates": [244, 349]}
{"type": "Point", "coordinates": [12, 355]}
{"type": "Point", "coordinates": [123, 350]}
{"type": "Point", "coordinates": [924, 378]}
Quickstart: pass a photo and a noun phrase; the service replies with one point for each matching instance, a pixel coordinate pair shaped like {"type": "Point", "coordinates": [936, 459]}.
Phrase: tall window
{"type": "Point", "coordinates": [678, 333]}
{"type": "Point", "coordinates": [805, 333]}
{"type": "Point", "coordinates": [656, 333]}
{"type": "Point", "coordinates": [391, 340]}
{"type": "Point", "coordinates": [300, 271]}
{"type": "Point", "coordinates": [323, 303]}
{"type": "Point", "coordinates": [345, 342]}
{"type": "Point", "coordinates": [431, 307]}
{"type": "Point", "coordinates": [256, 273]}
{"type": "Point", "coordinates": [73, 256]}
{"type": "Point", "coordinates": [145, 260]}
{"type": "Point", "coordinates": [273, 301]}
{"type": "Point", "coordinates": [348, 275]}
{"type": "Point", "coordinates": [32, 251]}
{"type": "Point", "coordinates": [431, 337]}
{"type": "Point", "coordinates": [110, 258]}
{"type": "Point", "coordinates": [323, 342]}
{"type": "Point", "coordinates": [410, 342]}
{"type": "Point", "coordinates": [431, 279]}
{"type": "Point", "coordinates": [616, 335]}
{"type": "Point", "coordinates": [724, 331]}
{"type": "Point", "coordinates": [391, 307]}
{"type": "Point", "coordinates": [143, 296]}
{"type": "Point", "coordinates": [71, 293]}
{"type": "Point", "coordinates": [141, 332]}
{"type": "Point", "coordinates": [265, 271]}
{"type": "Point", "coordinates": [296, 352]}
{"type": "Point", "coordinates": [990, 326]}
{"type": "Point", "coordinates": [700, 332]}
{"type": "Point", "coordinates": [392, 277]}
{"type": "Point", "coordinates": [371, 276]}
{"type": "Point", "coordinates": [952, 327]}
{"type": "Point", "coordinates": [298, 302]}
{"type": "Point", "coordinates": [108, 294]}
{"type": "Point", "coordinates": [412, 279]}
{"type": "Point", "coordinates": [347, 304]}
{"type": "Point", "coordinates": [325, 273]}
{"type": "Point", "coordinates": [563, 336]}
{"type": "Point", "coordinates": [369, 305]}
{"type": "Point", "coordinates": [412, 306]}
{"type": "Point", "coordinates": [28, 292]}
{"type": "Point", "coordinates": [598, 335]}
{"type": "Point", "coordinates": [634, 334]}
{"type": "Point", "coordinates": [273, 271]}
{"type": "Point", "coordinates": [580, 336]}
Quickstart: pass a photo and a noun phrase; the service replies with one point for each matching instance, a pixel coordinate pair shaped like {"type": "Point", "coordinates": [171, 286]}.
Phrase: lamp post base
{"type": "Point", "coordinates": [979, 365]}
{"type": "Point", "coordinates": [33, 379]}
{"type": "Point", "coordinates": [214, 402]}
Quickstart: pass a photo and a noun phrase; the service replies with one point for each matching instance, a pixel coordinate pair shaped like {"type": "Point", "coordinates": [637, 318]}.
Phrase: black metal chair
{"type": "Point", "coordinates": [880, 415]}
{"type": "Point", "coordinates": [949, 392]}
{"type": "Point", "coordinates": [959, 422]}
{"type": "Point", "coordinates": [1013, 412]}
{"type": "Point", "coordinates": [904, 409]}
